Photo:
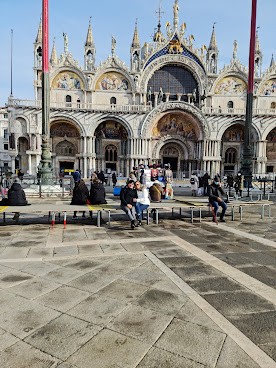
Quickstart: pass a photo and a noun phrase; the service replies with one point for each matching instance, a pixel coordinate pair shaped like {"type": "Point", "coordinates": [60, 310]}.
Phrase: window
{"type": "Point", "coordinates": [230, 105]}
{"type": "Point", "coordinates": [6, 134]}
{"type": "Point", "coordinates": [231, 156]}
{"type": "Point", "coordinates": [113, 101]}
{"type": "Point", "coordinates": [68, 101]}
{"type": "Point", "coordinates": [273, 105]}
{"type": "Point", "coordinates": [172, 79]}
{"type": "Point", "coordinates": [65, 148]}
{"type": "Point", "coordinates": [5, 116]}
{"type": "Point", "coordinates": [6, 147]}
{"type": "Point", "coordinates": [111, 153]}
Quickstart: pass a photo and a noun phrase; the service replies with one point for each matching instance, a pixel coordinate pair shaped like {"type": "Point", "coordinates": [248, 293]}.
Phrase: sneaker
{"type": "Point", "coordinates": [139, 223]}
{"type": "Point", "coordinates": [132, 225]}
{"type": "Point", "coordinates": [222, 220]}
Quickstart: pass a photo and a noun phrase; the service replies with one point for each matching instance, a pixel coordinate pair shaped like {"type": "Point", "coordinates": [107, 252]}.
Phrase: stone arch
{"type": "Point", "coordinates": [160, 144]}
{"type": "Point", "coordinates": [192, 66]}
{"type": "Point", "coordinates": [266, 79]}
{"type": "Point", "coordinates": [268, 130]}
{"type": "Point", "coordinates": [229, 74]}
{"type": "Point", "coordinates": [154, 116]}
{"type": "Point", "coordinates": [21, 125]}
{"type": "Point", "coordinates": [65, 118]}
{"type": "Point", "coordinates": [233, 122]}
{"type": "Point", "coordinates": [118, 119]}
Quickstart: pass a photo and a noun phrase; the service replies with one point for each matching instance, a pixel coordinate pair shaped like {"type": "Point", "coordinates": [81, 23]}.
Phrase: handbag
{"type": "Point", "coordinates": [117, 191]}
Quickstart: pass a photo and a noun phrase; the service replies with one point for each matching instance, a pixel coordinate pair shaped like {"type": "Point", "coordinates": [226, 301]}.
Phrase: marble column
{"type": "Point", "coordinates": [30, 164]}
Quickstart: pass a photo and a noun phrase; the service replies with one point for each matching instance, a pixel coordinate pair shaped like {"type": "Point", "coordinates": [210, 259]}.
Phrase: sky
{"type": "Point", "coordinates": [117, 17]}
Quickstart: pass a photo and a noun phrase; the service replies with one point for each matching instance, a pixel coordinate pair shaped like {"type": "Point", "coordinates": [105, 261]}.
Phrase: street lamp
{"type": "Point", "coordinates": [45, 169]}
{"type": "Point", "coordinates": [248, 152]}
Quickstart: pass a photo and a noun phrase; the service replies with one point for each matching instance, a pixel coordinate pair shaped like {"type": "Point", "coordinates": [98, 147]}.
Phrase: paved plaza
{"type": "Point", "coordinates": [173, 295]}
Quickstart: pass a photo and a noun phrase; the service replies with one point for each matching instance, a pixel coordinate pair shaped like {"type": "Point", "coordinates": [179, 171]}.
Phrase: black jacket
{"type": "Point", "coordinates": [127, 195]}
{"type": "Point", "coordinates": [80, 193]}
{"type": "Point", "coordinates": [215, 192]}
{"type": "Point", "coordinates": [97, 194]}
{"type": "Point", "coordinates": [16, 196]}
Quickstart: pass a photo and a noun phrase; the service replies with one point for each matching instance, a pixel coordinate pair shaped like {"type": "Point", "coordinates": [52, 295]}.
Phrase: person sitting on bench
{"type": "Point", "coordinates": [80, 196]}
{"type": "Point", "coordinates": [142, 202]}
{"type": "Point", "coordinates": [97, 192]}
{"type": "Point", "coordinates": [215, 191]}
{"type": "Point", "coordinates": [127, 195]}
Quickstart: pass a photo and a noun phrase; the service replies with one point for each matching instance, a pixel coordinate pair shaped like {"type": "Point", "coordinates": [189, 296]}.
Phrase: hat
{"type": "Point", "coordinates": [216, 178]}
{"type": "Point", "coordinates": [131, 182]}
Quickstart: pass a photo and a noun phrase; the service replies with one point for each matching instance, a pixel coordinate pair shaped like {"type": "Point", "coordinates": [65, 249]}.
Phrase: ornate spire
{"type": "Point", "coordinates": [136, 41]}
{"type": "Point", "coordinates": [175, 15]}
{"type": "Point", "coordinates": [39, 33]}
{"type": "Point", "coordinates": [213, 43]}
{"type": "Point", "coordinates": [89, 38]}
{"type": "Point", "coordinates": [272, 63]}
{"type": "Point", "coordinates": [54, 58]}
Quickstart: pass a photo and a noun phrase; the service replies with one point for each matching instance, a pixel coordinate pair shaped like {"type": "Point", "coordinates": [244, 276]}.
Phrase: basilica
{"type": "Point", "coordinates": [171, 105]}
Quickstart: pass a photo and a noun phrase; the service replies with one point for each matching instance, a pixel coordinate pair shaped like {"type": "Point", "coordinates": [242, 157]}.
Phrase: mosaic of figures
{"type": "Point", "coordinates": [234, 134]}
{"type": "Point", "coordinates": [113, 82]}
{"type": "Point", "coordinates": [271, 146]}
{"type": "Point", "coordinates": [272, 136]}
{"type": "Point", "coordinates": [67, 80]}
{"type": "Point", "coordinates": [231, 86]}
{"type": "Point", "coordinates": [64, 130]}
{"type": "Point", "coordinates": [269, 88]}
{"type": "Point", "coordinates": [111, 130]}
{"type": "Point", "coordinates": [174, 124]}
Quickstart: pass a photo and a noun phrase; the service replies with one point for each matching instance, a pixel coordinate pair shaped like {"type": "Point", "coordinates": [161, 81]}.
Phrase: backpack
{"type": "Point", "coordinates": [192, 180]}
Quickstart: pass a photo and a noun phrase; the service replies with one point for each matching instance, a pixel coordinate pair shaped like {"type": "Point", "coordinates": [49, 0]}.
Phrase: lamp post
{"type": "Point", "coordinates": [45, 169]}
{"type": "Point", "coordinates": [248, 153]}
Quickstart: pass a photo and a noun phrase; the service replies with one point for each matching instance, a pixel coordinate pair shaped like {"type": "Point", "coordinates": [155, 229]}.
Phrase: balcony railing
{"type": "Point", "coordinates": [81, 106]}
{"type": "Point", "coordinates": [130, 108]}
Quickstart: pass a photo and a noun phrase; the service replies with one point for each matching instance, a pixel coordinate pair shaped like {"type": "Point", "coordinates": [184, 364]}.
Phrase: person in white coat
{"type": "Point", "coordinates": [194, 184]}
{"type": "Point", "coordinates": [142, 202]}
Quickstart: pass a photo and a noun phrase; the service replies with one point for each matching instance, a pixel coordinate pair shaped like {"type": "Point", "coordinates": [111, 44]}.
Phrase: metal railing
{"type": "Point", "coordinates": [234, 111]}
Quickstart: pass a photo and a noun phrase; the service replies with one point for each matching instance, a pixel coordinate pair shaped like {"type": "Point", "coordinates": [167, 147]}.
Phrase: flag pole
{"type": "Point", "coordinates": [248, 152]}
{"type": "Point", "coordinates": [45, 167]}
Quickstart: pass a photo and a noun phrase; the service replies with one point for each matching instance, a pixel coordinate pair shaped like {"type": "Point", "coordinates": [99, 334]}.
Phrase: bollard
{"type": "Point", "coordinates": [261, 197]}
{"type": "Point", "coordinates": [148, 216]}
{"type": "Point", "coordinates": [262, 212]}
{"type": "Point", "coordinates": [53, 219]}
{"type": "Point", "coordinates": [269, 211]}
{"type": "Point", "coordinates": [200, 214]}
{"type": "Point", "coordinates": [240, 210]}
{"type": "Point", "coordinates": [64, 219]}
{"type": "Point", "coordinates": [157, 216]}
{"type": "Point", "coordinates": [109, 219]}
{"type": "Point", "coordinates": [172, 212]}
{"type": "Point", "coordinates": [268, 196]}
{"type": "Point", "coordinates": [99, 218]}
{"type": "Point", "coordinates": [192, 214]}
{"type": "Point", "coordinates": [180, 214]}
{"type": "Point", "coordinates": [233, 213]}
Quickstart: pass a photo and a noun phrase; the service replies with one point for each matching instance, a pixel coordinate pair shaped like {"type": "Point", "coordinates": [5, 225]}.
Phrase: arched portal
{"type": "Point", "coordinates": [271, 151]}
{"type": "Point", "coordinates": [65, 141]}
{"type": "Point", "coordinates": [111, 147]}
{"type": "Point", "coordinates": [233, 146]}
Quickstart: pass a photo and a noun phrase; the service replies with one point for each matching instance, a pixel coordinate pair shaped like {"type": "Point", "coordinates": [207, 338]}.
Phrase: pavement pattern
{"type": "Point", "coordinates": [176, 294]}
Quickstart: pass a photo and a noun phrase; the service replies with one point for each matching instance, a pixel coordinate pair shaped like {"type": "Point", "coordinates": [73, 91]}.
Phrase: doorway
{"type": "Point", "coordinates": [64, 165]}
{"type": "Point", "coordinates": [173, 161]}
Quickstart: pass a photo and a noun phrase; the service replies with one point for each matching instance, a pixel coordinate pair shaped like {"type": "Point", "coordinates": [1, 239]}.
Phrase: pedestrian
{"type": "Point", "coordinates": [20, 175]}
{"type": "Point", "coordinates": [143, 178]}
{"type": "Point", "coordinates": [114, 180]}
{"type": "Point", "coordinates": [8, 175]}
{"type": "Point", "coordinates": [142, 202]}
{"type": "Point", "coordinates": [156, 192]}
{"type": "Point", "coordinates": [205, 182]}
{"type": "Point", "coordinates": [76, 176]}
{"type": "Point", "coordinates": [239, 183]}
{"type": "Point", "coordinates": [230, 181]}
{"type": "Point", "coordinates": [194, 184]}
{"type": "Point", "coordinates": [127, 195]}
{"type": "Point", "coordinates": [215, 193]}
{"type": "Point", "coordinates": [80, 196]}
{"type": "Point", "coordinates": [200, 186]}
{"type": "Point", "coordinates": [97, 192]}
{"type": "Point", "coordinates": [132, 177]}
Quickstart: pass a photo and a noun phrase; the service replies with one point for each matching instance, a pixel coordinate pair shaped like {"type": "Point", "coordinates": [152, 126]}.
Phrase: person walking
{"type": "Point", "coordinates": [205, 182]}
{"type": "Point", "coordinates": [127, 195]}
{"type": "Point", "coordinates": [114, 180]}
{"type": "Point", "coordinates": [142, 202]}
{"type": "Point", "coordinates": [143, 178]}
{"type": "Point", "coordinates": [239, 183]}
{"type": "Point", "coordinates": [215, 192]}
{"type": "Point", "coordinates": [101, 176]}
{"type": "Point", "coordinates": [194, 184]}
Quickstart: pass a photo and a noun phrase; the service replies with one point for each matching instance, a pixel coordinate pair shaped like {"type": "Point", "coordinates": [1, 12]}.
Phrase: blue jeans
{"type": "Point", "coordinates": [216, 206]}
{"type": "Point", "coordinates": [140, 208]}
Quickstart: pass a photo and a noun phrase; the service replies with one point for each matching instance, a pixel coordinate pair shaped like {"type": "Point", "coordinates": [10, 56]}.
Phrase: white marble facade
{"type": "Point", "coordinates": [116, 117]}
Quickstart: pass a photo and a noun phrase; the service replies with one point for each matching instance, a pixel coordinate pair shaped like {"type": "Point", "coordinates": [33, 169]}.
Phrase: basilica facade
{"type": "Point", "coordinates": [172, 105]}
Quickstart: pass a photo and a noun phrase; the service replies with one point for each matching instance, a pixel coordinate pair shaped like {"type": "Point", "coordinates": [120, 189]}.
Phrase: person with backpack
{"type": "Point", "coordinates": [194, 184]}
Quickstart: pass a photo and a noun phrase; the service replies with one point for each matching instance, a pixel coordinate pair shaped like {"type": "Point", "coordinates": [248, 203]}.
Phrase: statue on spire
{"type": "Point", "coordinates": [113, 46]}
{"type": "Point", "coordinates": [65, 43]}
{"type": "Point", "coordinates": [175, 15]}
{"type": "Point", "coordinates": [235, 52]}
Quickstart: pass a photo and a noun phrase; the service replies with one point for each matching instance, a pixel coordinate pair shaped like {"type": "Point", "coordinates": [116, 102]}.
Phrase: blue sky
{"type": "Point", "coordinates": [118, 18]}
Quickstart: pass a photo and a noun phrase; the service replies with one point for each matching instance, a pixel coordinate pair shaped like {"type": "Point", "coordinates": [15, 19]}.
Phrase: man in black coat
{"type": "Point", "coordinates": [127, 204]}
{"type": "Point", "coordinates": [215, 191]}
{"type": "Point", "coordinates": [80, 196]}
{"type": "Point", "coordinates": [97, 192]}
{"type": "Point", "coordinates": [205, 183]}
{"type": "Point", "coordinates": [16, 195]}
